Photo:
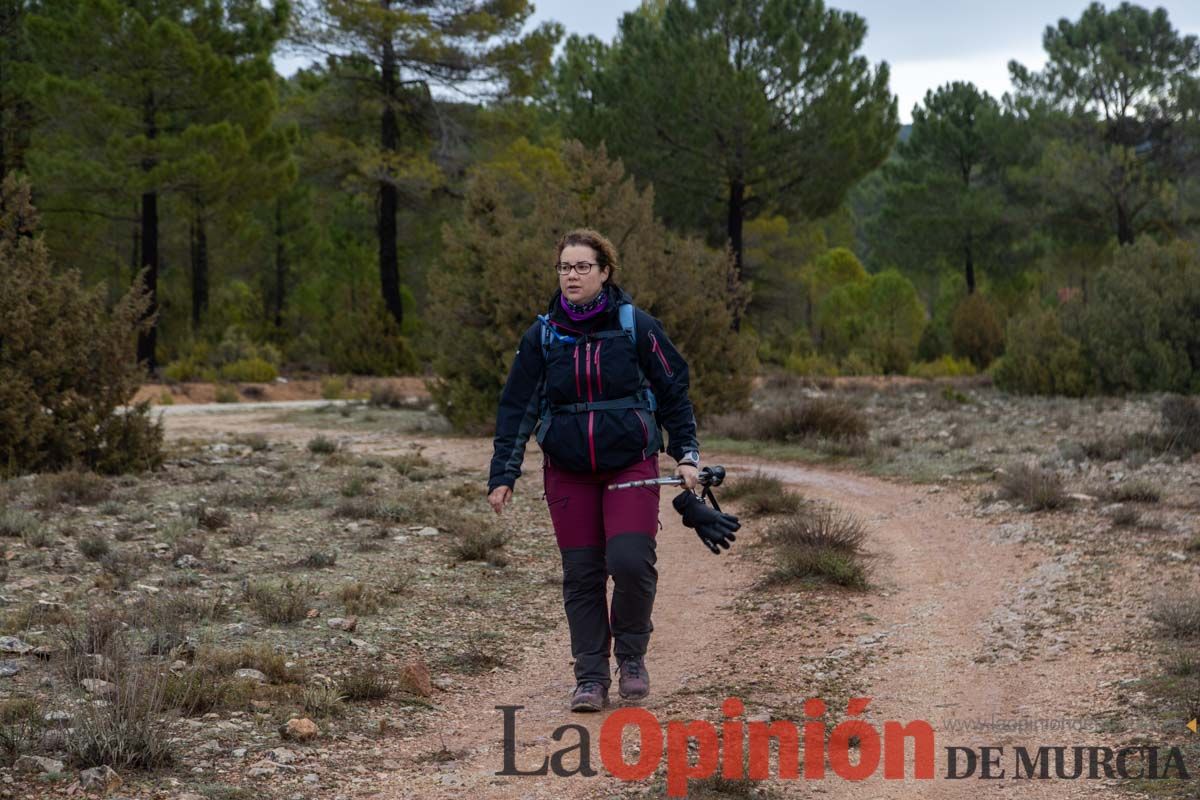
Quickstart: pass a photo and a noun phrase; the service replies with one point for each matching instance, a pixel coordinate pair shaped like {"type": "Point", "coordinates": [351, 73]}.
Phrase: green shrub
{"type": "Point", "coordinates": [815, 419]}
{"type": "Point", "coordinates": [386, 395]}
{"type": "Point", "coordinates": [236, 345]}
{"type": "Point", "coordinates": [188, 369]}
{"type": "Point", "coordinates": [17, 523]}
{"type": "Point", "coordinates": [495, 277]}
{"type": "Point", "coordinates": [944, 367]}
{"type": "Point", "coordinates": [249, 370]}
{"type": "Point", "coordinates": [478, 545]}
{"type": "Point", "coordinates": [759, 493]}
{"type": "Point", "coordinates": [333, 387]}
{"type": "Point", "coordinates": [1139, 328]}
{"type": "Point", "coordinates": [365, 683]}
{"type": "Point", "coordinates": [821, 544]}
{"type": "Point", "coordinates": [129, 731]}
{"type": "Point", "coordinates": [93, 546]}
{"type": "Point", "coordinates": [1037, 488]}
{"type": "Point", "coordinates": [895, 320]}
{"type": "Point", "coordinates": [1040, 358]}
{"type": "Point", "coordinates": [810, 365]}
{"type": "Point", "coordinates": [252, 656]}
{"type": "Point", "coordinates": [368, 341]}
{"type": "Point", "coordinates": [975, 331]}
{"type": "Point", "coordinates": [871, 324]}
{"type": "Point", "coordinates": [1178, 614]}
{"type": "Point", "coordinates": [200, 691]}
{"type": "Point", "coordinates": [322, 444]}
{"type": "Point", "coordinates": [1181, 422]}
{"type": "Point", "coordinates": [1138, 490]}
{"type": "Point", "coordinates": [59, 403]}
{"type": "Point", "coordinates": [22, 726]}
{"type": "Point", "coordinates": [361, 599]}
{"type": "Point", "coordinates": [323, 700]}
{"type": "Point", "coordinates": [226, 394]}
{"type": "Point", "coordinates": [284, 602]}
{"type": "Point", "coordinates": [71, 487]}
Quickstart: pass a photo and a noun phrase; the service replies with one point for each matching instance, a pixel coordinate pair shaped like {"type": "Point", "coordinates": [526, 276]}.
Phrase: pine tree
{"type": "Point", "coordinates": [733, 109]}
{"type": "Point", "coordinates": [944, 193]}
{"type": "Point", "coordinates": [400, 51]}
{"type": "Point", "coordinates": [148, 98]}
{"type": "Point", "coordinates": [1120, 95]}
{"type": "Point", "coordinates": [16, 112]}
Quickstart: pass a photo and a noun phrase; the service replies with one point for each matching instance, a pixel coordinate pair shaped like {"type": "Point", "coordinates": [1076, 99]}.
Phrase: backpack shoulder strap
{"type": "Point", "coordinates": [545, 338]}
{"type": "Point", "coordinates": [628, 317]}
{"type": "Point", "coordinates": [628, 321]}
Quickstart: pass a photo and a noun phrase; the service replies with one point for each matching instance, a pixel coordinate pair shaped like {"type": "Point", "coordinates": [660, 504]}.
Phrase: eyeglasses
{"type": "Point", "coordinates": [583, 267]}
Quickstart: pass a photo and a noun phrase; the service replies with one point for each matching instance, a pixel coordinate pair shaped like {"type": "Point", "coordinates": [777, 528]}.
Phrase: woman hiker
{"type": "Point", "coordinates": [598, 381]}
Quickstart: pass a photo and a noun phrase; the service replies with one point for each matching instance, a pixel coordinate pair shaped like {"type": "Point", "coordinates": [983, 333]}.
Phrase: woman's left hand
{"type": "Point", "coordinates": [690, 475]}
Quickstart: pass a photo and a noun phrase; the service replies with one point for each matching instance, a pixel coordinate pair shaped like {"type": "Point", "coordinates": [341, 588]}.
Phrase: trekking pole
{"type": "Point", "coordinates": [709, 477]}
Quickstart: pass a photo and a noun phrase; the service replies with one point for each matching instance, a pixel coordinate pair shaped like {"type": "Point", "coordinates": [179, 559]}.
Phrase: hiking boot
{"type": "Point", "coordinates": [634, 682]}
{"type": "Point", "coordinates": [589, 696]}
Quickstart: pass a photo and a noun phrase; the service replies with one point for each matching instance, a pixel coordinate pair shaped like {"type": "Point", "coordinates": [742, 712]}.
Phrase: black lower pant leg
{"type": "Point", "coordinates": [631, 558]}
{"type": "Point", "coordinates": [585, 584]}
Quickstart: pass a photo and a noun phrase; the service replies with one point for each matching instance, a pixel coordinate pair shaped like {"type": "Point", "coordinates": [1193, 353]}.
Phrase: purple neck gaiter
{"type": "Point", "coordinates": [578, 313]}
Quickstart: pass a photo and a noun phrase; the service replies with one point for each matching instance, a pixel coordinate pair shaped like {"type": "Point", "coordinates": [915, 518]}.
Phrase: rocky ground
{"type": "Point", "coordinates": [332, 610]}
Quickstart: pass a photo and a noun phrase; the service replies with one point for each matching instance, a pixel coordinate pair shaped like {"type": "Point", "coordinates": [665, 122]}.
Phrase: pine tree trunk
{"type": "Point", "coordinates": [199, 269]}
{"type": "Point", "coordinates": [280, 264]}
{"type": "Point", "coordinates": [148, 339]}
{"type": "Point", "coordinates": [389, 269]}
{"type": "Point", "coordinates": [1124, 225]}
{"type": "Point", "coordinates": [969, 265]}
{"type": "Point", "coordinates": [737, 211]}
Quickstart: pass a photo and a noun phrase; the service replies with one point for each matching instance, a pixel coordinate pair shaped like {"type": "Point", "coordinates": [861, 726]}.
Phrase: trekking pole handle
{"type": "Point", "coordinates": [709, 476]}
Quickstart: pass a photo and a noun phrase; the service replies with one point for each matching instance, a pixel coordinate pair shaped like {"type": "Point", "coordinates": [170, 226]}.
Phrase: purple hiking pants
{"type": "Point", "coordinates": [602, 533]}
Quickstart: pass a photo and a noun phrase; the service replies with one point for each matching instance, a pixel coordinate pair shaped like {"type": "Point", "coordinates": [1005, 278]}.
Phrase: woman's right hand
{"type": "Point", "coordinates": [499, 496]}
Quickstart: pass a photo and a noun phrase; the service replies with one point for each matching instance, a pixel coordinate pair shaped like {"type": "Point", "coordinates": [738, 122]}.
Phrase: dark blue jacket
{"type": "Point", "coordinates": [592, 441]}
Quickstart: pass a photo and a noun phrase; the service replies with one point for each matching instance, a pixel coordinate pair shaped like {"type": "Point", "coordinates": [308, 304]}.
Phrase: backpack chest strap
{"type": "Point", "coordinates": [632, 401]}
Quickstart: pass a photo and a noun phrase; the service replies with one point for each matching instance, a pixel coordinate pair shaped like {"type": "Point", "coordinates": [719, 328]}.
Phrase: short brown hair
{"type": "Point", "coordinates": [606, 254]}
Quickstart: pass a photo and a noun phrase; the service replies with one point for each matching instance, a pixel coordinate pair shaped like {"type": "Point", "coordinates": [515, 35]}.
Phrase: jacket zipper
{"type": "Point", "coordinates": [587, 360]}
{"type": "Point", "coordinates": [656, 349]}
{"type": "Point", "coordinates": [578, 392]}
{"type": "Point", "coordinates": [599, 380]}
{"type": "Point", "coordinates": [645, 433]}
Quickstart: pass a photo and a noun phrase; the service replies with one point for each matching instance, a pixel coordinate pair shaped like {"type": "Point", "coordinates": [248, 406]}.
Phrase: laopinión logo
{"type": "Point", "coordinates": [743, 750]}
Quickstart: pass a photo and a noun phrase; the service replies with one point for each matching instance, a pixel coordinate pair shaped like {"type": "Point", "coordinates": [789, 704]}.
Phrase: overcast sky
{"type": "Point", "coordinates": [925, 42]}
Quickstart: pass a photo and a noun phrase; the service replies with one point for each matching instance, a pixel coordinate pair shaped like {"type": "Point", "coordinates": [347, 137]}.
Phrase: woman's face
{"type": "Point", "coordinates": [581, 288]}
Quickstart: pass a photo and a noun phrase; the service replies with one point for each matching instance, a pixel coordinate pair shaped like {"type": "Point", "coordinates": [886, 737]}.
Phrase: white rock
{"type": "Point", "coordinates": [98, 687]}
{"type": "Point", "coordinates": [101, 779]}
{"type": "Point", "coordinates": [37, 764]}
{"type": "Point", "coordinates": [11, 644]}
{"type": "Point", "coordinates": [281, 755]}
{"type": "Point", "coordinates": [251, 674]}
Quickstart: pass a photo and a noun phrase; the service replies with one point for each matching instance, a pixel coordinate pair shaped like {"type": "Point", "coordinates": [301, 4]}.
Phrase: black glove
{"type": "Point", "coordinates": [712, 526]}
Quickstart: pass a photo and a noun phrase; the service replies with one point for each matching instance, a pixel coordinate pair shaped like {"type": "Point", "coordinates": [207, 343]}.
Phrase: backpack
{"type": "Point", "coordinates": [643, 399]}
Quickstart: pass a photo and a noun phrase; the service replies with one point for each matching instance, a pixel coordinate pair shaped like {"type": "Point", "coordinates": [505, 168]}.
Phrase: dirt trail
{"type": "Point", "coordinates": [943, 640]}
